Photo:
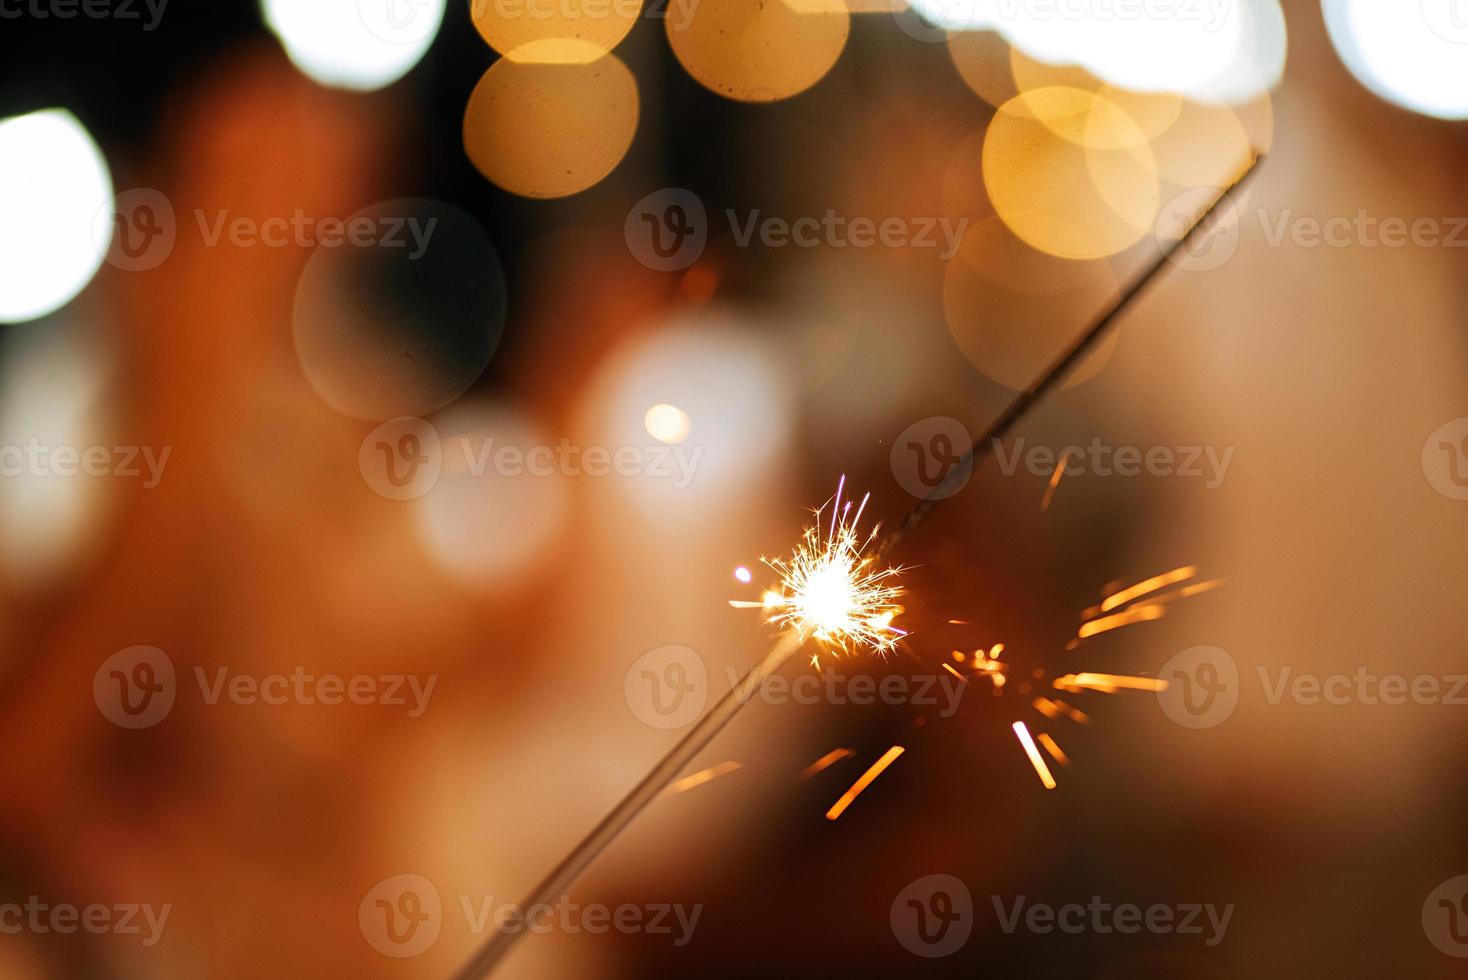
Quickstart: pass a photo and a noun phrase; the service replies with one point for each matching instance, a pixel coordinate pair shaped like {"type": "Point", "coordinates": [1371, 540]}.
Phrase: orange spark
{"type": "Point", "coordinates": [701, 777]}
{"type": "Point", "coordinates": [1136, 614]}
{"type": "Point", "coordinates": [826, 761]}
{"type": "Point", "coordinates": [1149, 585]}
{"type": "Point", "coordinates": [1109, 683]}
{"type": "Point", "coordinates": [1053, 749]}
{"type": "Point", "coordinates": [1054, 481]}
{"type": "Point", "coordinates": [889, 757]}
{"type": "Point", "coordinates": [949, 668]}
{"type": "Point", "coordinates": [1036, 760]}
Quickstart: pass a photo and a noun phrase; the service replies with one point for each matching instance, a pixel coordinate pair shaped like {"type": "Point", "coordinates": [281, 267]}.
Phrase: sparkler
{"type": "Point", "coordinates": [838, 590]}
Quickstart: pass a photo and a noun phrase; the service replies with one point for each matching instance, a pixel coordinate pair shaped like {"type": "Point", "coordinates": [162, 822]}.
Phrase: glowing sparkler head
{"type": "Point", "coordinates": [831, 589]}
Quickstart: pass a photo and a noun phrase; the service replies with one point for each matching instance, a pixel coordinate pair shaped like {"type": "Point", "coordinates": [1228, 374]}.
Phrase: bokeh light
{"type": "Point", "coordinates": [554, 31]}
{"type": "Point", "coordinates": [403, 324]}
{"type": "Point", "coordinates": [760, 50]}
{"type": "Point", "coordinates": [1414, 54]}
{"type": "Point", "coordinates": [354, 44]}
{"type": "Point", "coordinates": [1012, 309]}
{"type": "Point", "coordinates": [667, 423]}
{"type": "Point", "coordinates": [550, 130]}
{"type": "Point", "coordinates": [1070, 173]}
{"type": "Point", "coordinates": [54, 195]}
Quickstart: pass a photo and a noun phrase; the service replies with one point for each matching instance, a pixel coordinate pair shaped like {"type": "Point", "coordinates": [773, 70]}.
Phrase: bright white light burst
{"type": "Point", "coordinates": [832, 590]}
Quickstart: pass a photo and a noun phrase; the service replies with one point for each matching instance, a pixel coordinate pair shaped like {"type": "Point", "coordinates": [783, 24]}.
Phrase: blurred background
{"type": "Point", "coordinates": [254, 444]}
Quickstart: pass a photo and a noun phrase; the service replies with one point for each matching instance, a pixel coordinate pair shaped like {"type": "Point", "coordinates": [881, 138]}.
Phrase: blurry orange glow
{"type": "Point", "coordinates": [1109, 683]}
{"type": "Point", "coordinates": [982, 61]}
{"type": "Point", "coordinates": [668, 424]}
{"type": "Point", "coordinates": [1054, 750]}
{"type": "Point", "coordinates": [1036, 760]}
{"type": "Point", "coordinates": [760, 50]}
{"type": "Point", "coordinates": [550, 130]}
{"type": "Point", "coordinates": [866, 779]}
{"type": "Point", "coordinates": [1012, 309]}
{"type": "Point", "coordinates": [560, 32]}
{"type": "Point", "coordinates": [1070, 173]}
{"type": "Point", "coordinates": [1054, 481]}
{"type": "Point", "coordinates": [1148, 585]}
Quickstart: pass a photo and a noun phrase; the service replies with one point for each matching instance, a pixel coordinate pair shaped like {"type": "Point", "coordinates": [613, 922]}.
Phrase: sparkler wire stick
{"type": "Point", "coordinates": [1056, 372]}
{"type": "Point", "coordinates": [667, 769]}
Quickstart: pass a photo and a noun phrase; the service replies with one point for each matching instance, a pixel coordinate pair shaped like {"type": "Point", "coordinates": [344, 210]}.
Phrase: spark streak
{"type": "Point", "coordinates": [1108, 683]}
{"type": "Point", "coordinates": [1150, 585]}
{"type": "Point", "coordinates": [889, 757]}
{"type": "Point", "coordinates": [702, 776]}
{"type": "Point", "coordinates": [1136, 614]}
{"type": "Point", "coordinates": [1036, 760]}
{"type": "Point", "coordinates": [826, 761]}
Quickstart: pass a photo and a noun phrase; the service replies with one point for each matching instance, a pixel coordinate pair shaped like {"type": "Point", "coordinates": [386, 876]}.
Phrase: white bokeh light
{"type": "Point", "coordinates": [355, 44]}
{"type": "Point", "coordinates": [54, 184]}
{"type": "Point", "coordinates": [1411, 52]}
{"type": "Point", "coordinates": [1225, 51]}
